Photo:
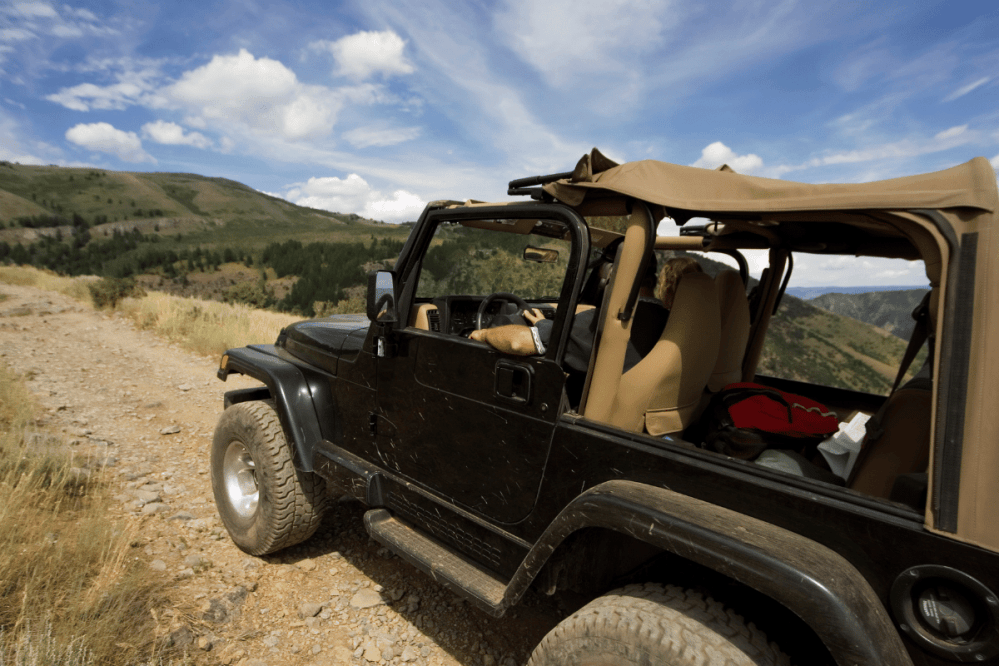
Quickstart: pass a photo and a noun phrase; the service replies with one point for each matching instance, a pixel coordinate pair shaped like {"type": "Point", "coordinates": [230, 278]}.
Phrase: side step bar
{"type": "Point", "coordinates": [457, 573]}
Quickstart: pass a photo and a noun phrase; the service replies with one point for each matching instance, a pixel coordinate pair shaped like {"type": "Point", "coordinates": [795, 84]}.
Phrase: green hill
{"type": "Point", "coordinates": [161, 203]}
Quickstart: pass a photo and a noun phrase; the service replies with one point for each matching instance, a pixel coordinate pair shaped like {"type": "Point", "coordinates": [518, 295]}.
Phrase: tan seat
{"type": "Point", "coordinates": [904, 444]}
{"type": "Point", "coordinates": [735, 322]}
{"type": "Point", "coordinates": [898, 435]}
{"type": "Point", "coordinates": [660, 394]}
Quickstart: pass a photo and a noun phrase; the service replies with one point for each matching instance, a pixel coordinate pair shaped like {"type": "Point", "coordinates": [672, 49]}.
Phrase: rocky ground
{"type": "Point", "coordinates": [144, 409]}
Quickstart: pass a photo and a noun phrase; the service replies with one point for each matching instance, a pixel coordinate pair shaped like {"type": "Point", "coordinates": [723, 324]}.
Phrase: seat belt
{"type": "Point", "coordinates": [920, 334]}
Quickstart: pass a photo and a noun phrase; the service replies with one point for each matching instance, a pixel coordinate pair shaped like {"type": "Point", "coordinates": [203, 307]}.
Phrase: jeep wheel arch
{"type": "Point", "coordinates": [290, 391]}
{"type": "Point", "coordinates": [828, 593]}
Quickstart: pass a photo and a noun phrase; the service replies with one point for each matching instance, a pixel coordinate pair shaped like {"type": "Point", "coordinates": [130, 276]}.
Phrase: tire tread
{"type": "Point", "coordinates": [658, 624]}
{"type": "Point", "coordinates": [292, 502]}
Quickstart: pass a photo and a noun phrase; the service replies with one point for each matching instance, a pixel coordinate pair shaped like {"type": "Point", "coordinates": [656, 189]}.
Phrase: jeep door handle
{"type": "Point", "coordinates": [513, 381]}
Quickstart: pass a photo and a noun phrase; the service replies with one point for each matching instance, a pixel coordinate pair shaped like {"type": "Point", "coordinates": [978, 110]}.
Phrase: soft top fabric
{"type": "Point", "coordinates": [968, 185]}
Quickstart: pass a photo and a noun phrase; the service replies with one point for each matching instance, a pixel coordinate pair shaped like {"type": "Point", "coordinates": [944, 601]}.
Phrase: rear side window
{"type": "Point", "coordinates": [845, 322]}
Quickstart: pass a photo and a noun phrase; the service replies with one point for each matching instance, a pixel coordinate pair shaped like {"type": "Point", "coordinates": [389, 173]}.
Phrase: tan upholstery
{"type": "Point", "coordinates": [904, 447]}
{"type": "Point", "coordinates": [663, 391]}
{"type": "Point", "coordinates": [734, 310]}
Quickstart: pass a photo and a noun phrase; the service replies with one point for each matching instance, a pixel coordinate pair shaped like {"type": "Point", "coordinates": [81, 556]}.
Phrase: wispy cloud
{"type": "Point", "coordinates": [87, 96]}
{"type": "Point", "coordinates": [964, 90]}
{"type": "Point", "coordinates": [593, 38]}
{"type": "Point", "coordinates": [364, 137]}
{"type": "Point", "coordinates": [904, 149]}
{"type": "Point", "coordinates": [489, 110]}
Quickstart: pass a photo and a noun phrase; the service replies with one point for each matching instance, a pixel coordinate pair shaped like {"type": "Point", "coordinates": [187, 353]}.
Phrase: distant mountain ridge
{"type": "Point", "coordinates": [890, 310]}
{"type": "Point", "coordinates": [808, 293]}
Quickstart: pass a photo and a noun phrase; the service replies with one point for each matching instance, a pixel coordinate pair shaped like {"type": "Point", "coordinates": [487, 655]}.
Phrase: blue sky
{"type": "Point", "coordinates": [379, 106]}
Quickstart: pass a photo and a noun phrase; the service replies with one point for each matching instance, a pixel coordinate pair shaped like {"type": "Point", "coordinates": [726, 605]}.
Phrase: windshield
{"type": "Point", "coordinates": [475, 261]}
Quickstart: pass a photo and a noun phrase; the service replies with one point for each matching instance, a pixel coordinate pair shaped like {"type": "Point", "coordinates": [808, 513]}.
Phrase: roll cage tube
{"type": "Point", "coordinates": [575, 271]}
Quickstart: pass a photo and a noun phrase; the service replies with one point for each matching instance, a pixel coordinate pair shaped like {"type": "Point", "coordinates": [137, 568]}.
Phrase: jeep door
{"type": "Point", "coordinates": [456, 416]}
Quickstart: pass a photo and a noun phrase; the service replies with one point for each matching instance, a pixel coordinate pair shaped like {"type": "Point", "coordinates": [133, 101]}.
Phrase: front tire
{"type": "Point", "coordinates": [264, 502]}
{"type": "Point", "coordinates": [641, 625]}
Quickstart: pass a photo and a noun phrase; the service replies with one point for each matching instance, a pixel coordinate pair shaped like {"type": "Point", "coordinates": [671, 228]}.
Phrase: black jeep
{"type": "Point", "coordinates": [496, 472]}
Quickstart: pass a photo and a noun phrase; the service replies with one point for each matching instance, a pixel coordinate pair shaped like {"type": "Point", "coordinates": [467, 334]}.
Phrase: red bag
{"type": "Point", "coordinates": [745, 418]}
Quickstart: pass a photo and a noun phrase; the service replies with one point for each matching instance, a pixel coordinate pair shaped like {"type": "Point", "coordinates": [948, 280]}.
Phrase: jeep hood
{"type": "Point", "coordinates": [323, 341]}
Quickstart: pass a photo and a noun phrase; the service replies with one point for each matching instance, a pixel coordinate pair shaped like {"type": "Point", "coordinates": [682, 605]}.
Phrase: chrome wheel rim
{"type": "Point", "coordinates": [239, 476]}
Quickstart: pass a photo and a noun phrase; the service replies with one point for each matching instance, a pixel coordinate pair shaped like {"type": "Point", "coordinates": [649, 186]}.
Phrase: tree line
{"type": "Point", "coordinates": [324, 270]}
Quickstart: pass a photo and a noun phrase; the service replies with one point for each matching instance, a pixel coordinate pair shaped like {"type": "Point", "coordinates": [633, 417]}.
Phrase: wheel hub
{"type": "Point", "coordinates": [239, 476]}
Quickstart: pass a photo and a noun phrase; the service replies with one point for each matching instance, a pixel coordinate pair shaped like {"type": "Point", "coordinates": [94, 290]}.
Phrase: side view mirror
{"type": "Point", "coordinates": [381, 297]}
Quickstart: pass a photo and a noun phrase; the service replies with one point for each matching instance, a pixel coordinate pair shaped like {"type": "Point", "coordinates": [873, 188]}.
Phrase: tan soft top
{"type": "Point", "coordinates": [968, 185]}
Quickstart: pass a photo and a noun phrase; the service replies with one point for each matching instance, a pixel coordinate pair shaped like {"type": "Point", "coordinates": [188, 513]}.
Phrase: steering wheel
{"type": "Point", "coordinates": [498, 296]}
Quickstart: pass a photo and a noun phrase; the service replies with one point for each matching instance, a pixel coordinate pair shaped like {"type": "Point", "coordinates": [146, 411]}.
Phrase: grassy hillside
{"type": "Point", "coordinates": [810, 344]}
{"type": "Point", "coordinates": [183, 230]}
{"type": "Point", "coordinates": [162, 203]}
{"type": "Point", "coordinates": [890, 310]}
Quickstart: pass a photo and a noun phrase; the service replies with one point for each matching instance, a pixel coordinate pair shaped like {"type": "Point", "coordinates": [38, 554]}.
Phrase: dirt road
{"type": "Point", "coordinates": [146, 409]}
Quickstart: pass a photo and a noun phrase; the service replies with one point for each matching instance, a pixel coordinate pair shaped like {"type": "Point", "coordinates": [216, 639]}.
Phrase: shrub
{"type": "Point", "coordinates": [108, 292]}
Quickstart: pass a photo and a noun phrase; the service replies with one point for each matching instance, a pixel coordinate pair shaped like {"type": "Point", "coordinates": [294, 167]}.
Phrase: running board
{"type": "Point", "coordinates": [457, 573]}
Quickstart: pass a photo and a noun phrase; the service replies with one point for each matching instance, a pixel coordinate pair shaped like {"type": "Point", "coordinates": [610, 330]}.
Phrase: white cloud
{"type": "Point", "coordinates": [261, 94]}
{"type": "Point", "coordinates": [87, 96]}
{"type": "Point", "coordinates": [570, 40]}
{"type": "Point", "coordinates": [402, 206]}
{"type": "Point", "coordinates": [353, 194]}
{"type": "Point", "coordinates": [67, 30]}
{"type": "Point", "coordinates": [15, 34]}
{"type": "Point", "coordinates": [173, 134]}
{"type": "Point", "coordinates": [35, 10]}
{"type": "Point", "coordinates": [995, 162]}
{"type": "Point", "coordinates": [104, 138]}
{"type": "Point", "coordinates": [717, 153]}
{"type": "Point", "coordinates": [964, 90]}
{"type": "Point", "coordinates": [363, 137]}
{"type": "Point", "coordinates": [366, 53]}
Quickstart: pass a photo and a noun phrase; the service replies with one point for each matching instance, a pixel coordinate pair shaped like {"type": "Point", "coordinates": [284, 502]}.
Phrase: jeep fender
{"type": "Point", "coordinates": [811, 580]}
{"type": "Point", "coordinates": [290, 390]}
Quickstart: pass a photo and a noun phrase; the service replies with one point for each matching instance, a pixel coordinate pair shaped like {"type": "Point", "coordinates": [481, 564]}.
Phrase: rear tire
{"type": "Point", "coordinates": [264, 502]}
{"type": "Point", "coordinates": [641, 625]}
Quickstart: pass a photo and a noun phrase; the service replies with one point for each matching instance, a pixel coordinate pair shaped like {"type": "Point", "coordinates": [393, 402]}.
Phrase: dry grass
{"type": "Point", "coordinates": [205, 327]}
{"type": "Point", "coordinates": [32, 277]}
{"type": "Point", "coordinates": [71, 592]}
